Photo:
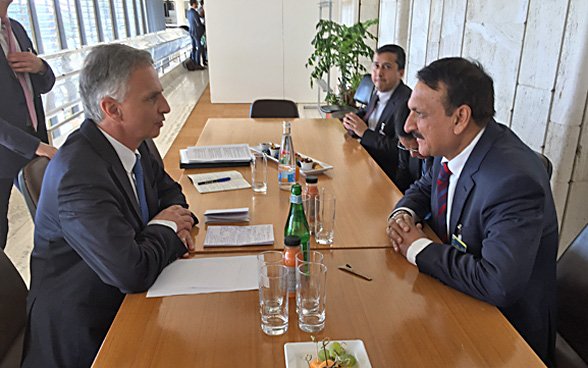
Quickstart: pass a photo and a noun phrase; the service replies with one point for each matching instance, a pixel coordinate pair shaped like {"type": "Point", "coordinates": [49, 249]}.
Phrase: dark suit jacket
{"type": "Point", "coordinates": [91, 247]}
{"type": "Point", "coordinates": [381, 143]}
{"type": "Point", "coordinates": [503, 202]}
{"type": "Point", "coordinates": [196, 26]}
{"type": "Point", "coordinates": [410, 169]}
{"type": "Point", "coordinates": [18, 140]}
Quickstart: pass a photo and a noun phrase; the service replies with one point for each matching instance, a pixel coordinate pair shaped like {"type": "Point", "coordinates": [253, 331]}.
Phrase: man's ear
{"type": "Point", "coordinates": [463, 118]}
{"type": "Point", "coordinates": [401, 73]}
{"type": "Point", "coordinates": [111, 108]}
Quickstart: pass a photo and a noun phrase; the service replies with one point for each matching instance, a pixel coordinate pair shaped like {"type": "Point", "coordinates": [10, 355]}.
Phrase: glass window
{"type": "Point", "coordinates": [131, 12]}
{"type": "Point", "coordinates": [120, 19]}
{"type": "Point", "coordinates": [45, 10]}
{"type": "Point", "coordinates": [70, 23]}
{"type": "Point", "coordinates": [139, 9]}
{"type": "Point", "coordinates": [89, 17]}
{"type": "Point", "coordinates": [19, 10]}
{"type": "Point", "coordinates": [106, 20]}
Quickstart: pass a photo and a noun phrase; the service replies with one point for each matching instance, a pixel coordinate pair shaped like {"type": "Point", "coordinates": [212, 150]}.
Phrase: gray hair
{"type": "Point", "coordinates": [106, 73]}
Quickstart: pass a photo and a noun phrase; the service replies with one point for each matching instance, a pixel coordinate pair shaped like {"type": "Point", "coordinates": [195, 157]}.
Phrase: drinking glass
{"type": "Point", "coordinates": [273, 299]}
{"type": "Point", "coordinates": [312, 256]}
{"type": "Point", "coordinates": [311, 296]}
{"type": "Point", "coordinates": [269, 257]}
{"type": "Point", "coordinates": [259, 172]}
{"type": "Point", "coordinates": [325, 218]}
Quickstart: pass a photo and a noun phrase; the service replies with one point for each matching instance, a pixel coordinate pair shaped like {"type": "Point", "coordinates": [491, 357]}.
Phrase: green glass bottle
{"type": "Point", "coordinates": [296, 223]}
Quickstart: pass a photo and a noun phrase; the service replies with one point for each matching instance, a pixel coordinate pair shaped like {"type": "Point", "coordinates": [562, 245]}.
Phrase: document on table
{"type": "Point", "coordinates": [215, 156]}
{"type": "Point", "coordinates": [206, 275]}
{"type": "Point", "coordinates": [227, 215]}
{"type": "Point", "coordinates": [236, 182]}
{"type": "Point", "coordinates": [236, 236]}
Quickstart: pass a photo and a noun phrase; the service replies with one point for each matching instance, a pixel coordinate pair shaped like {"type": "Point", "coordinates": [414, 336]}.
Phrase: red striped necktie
{"type": "Point", "coordinates": [442, 185]}
{"type": "Point", "coordinates": [20, 76]}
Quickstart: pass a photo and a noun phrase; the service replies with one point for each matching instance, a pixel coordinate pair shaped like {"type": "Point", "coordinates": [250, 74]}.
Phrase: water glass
{"type": "Point", "coordinates": [273, 299]}
{"type": "Point", "coordinates": [325, 218]}
{"type": "Point", "coordinates": [259, 172]}
{"type": "Point", "coordinates": [311, 256]}
{"type": "Point", "coordinates": [269, 257]}
{"type": "Point", "coordinates": [311, 296]}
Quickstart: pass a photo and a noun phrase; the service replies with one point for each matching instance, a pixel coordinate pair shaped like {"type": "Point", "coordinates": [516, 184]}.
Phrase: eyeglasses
{"type": "Point", "coordinates": [400, 146]}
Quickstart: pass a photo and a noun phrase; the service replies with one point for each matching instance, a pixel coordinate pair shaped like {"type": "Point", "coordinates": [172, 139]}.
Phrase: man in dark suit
{"type": "Point", "coordinates": [375, 124]}
{"type": "Point", "coordinates": [109, 218]}
{"type": "Point", "coordinates": [411, 164]}
{"type": "Point", "coordinates": [23, 135]}
{"type": "Point", "coordinates": [490, 203]}
{"type": "Point", "coordinates": [196, 33]}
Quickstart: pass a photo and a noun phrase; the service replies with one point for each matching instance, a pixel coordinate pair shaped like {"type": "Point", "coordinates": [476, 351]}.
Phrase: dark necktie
{"type": "Point", "coordinates": [140, 184]}
{"type": "Point", "coordinates": [366, 117]}
{"type": "Point", "coordinates": [20, 76]}
{"type": "Point", "coordinates": [442, 185]}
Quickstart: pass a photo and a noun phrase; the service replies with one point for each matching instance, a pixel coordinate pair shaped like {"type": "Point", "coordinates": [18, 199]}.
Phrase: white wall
{"type": "Point", "coordinates": [258, 49]}
{"type": "Point", "coordinates": [536, 51]}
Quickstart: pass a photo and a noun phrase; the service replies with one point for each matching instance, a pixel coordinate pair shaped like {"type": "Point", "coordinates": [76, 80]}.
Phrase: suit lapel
{"type": "Point", "coordinates": [149, 179]}
{"type": "Point", "coordinates": [390, 107]}
{"type": "Point", "coordinates": [101, 145]}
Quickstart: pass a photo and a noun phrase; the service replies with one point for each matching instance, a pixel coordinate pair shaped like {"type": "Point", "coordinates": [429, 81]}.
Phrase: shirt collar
{"type": "Point", "coordinates": [457, 164]}
{"type": "Point", "coordinates": [383, 97]}
{"type": "Point", "coordinates": [125, 155]}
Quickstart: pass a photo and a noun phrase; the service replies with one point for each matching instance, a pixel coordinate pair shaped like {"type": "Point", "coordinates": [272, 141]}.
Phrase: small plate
{"type": "Point", "coordinates": [295, 352]}
{"type": "Point", "coordinates": [324, 167]}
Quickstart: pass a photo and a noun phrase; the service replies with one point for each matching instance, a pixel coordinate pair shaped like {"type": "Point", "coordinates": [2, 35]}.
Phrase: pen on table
{"type": "Point", "coordinates": [219, 180]}
{"type": "Point", "coordinates": [357, 273]}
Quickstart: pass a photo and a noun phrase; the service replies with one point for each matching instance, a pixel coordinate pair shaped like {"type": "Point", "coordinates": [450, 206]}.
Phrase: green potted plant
{"type": "Point", "coordinates": [342, 47]}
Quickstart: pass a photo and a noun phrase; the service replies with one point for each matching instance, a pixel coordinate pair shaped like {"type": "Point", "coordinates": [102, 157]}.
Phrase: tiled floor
{"type": "Point", "coordinates": [182, 90]}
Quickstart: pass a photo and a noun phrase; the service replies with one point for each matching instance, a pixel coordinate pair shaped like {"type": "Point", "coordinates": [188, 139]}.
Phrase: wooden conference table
{"type": "Point", "coordinates": [404, 318]}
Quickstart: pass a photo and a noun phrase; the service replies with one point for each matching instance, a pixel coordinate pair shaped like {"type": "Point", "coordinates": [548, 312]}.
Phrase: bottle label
{"type": "Point", "coordinates": [296, 199]}
{"type": "Point", "coordinates": [291, 283]}
{"type": "Point", "coordinates": [287, 176]}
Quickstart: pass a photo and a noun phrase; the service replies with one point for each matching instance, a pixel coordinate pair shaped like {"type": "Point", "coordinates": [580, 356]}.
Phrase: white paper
{"type": "Point", "coordinates": [231, 236]}
{"type": "Point", "coordinates": [223, 153]}
{"type": "Point", "coordinates": [206, 275]}
{"type": "Point", "coordinates": [236, 182]}
{"type": "Point", "coordinates": [226, 215]}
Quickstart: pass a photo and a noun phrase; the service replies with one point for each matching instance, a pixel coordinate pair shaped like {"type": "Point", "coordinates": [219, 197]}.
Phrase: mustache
{"type": "Point", "coordinates": [416, 134]}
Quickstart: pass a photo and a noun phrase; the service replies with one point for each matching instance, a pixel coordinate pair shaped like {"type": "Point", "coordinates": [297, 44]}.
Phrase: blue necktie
{"type": "Point", "coordinates": [140, 184]}
{"type": "Point", "coordinates": [442, 185]}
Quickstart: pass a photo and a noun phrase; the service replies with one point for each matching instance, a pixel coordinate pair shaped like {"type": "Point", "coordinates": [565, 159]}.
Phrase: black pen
{"type": "Point", "coordinates": [219, 180]}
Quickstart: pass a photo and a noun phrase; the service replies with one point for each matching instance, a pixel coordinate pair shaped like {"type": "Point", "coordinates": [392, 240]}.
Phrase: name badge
{"type": "Point", "coordinates": [381, 131]}
{"type": "Point", "coordinates": [457, 242]}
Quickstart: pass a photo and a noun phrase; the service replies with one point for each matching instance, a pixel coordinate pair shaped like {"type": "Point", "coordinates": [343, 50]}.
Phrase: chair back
{"type": "Point", "coordinates": [547, 163]}
{"type": "Point", "coordinates": [572, 295]}
{"type": "Point", "coordinates": [364, 90]}
{"type": "Point", "coordinates": [154, 151]}
{"type": "Point", "coordinates": [30, 179]}
{"type": "Point", "coordinates": [13, 313]}
{"type": "Point", "coordinates": [273, 109]}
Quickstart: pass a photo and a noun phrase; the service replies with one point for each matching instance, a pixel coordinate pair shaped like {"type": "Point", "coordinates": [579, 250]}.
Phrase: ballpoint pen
{"type": "Point", "coordinates": [357, 273]}
{"type": "Point", "coordinates": [219, 180]}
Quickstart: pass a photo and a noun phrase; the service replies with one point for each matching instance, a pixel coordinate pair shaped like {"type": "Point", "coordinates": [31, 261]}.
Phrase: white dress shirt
{"type": "Point", "coordinates": [5, 48]}
{"type": "Point", "coordinates": [383, 98]}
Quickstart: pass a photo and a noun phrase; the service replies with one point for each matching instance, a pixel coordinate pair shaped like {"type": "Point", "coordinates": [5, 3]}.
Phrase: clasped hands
{"type": "Point", "coordinates": [403, 231]}
{"type": "Point", "coordinates": [354, 123]}
{"type": "Point", "coordinates": [183, 219]}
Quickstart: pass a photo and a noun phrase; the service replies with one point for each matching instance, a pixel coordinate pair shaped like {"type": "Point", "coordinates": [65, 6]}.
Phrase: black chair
{"type": "Point", "coordinates": [273, 109]}
{"type": "Point", "coordinates": [30, 179]}
{"type": "Point", "coordinates": [364, 90]}
{"type": "Point", "coordinates": [13, 313]}
{"type": "Point", "coordinates": [572, 304]}
{"type": "Point", "coordinates": [154, 151]}
{"type": "Point", "coordinates": [546, 163]}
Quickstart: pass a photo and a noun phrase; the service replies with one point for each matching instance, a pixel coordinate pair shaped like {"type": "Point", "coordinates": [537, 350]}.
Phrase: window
{"type": "Point", "coordinates": [89, 18]}
{"type": "Point", "coordinates": [120, 19]}
{"type": "Point", "coordinates": [106, 20]}
{"type": "Point", "coordinates": [45, 10]}
{"type": "Point", "coordinates": [139, 16]}
{"type": "Point", "coordinates": [131, 12]}
{"type": "Point", "coordinates": [70, 24]}
{"type": "Point", "coordinates": [20, 11]}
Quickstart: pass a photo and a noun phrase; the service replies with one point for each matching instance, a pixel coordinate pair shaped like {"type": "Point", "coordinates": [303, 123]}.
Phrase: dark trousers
{"type": "Point", "coordinates": [197, 50]}
{"type": "Point", "coordinates": [5, 189]}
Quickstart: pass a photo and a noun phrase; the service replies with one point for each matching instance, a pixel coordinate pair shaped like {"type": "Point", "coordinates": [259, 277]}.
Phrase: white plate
{"type": "Point", "coordinates": [295, 352]}
{"type": "Point", "coordinates": [324, 168]}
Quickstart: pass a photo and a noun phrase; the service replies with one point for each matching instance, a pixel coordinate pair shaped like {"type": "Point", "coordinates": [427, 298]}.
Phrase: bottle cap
{"type": "Point", "coordinates": [292, 241]}
{"type": "Point", "coordinates": [311, 179]}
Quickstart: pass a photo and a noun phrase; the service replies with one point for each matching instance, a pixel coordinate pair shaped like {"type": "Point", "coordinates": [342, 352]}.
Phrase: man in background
{"type": "Point", "coordinates": [375, 125]}
{"type": "Point", "coordinates": [490, 203]}
{"type": "Point", "coordinates": [411, 164]}
{"type": "Point", "coordinates": [196, 33]}
{"type": "Point", "coordinates": [23, 134]}
{"type": "Point", "coordinates": [109, 218]}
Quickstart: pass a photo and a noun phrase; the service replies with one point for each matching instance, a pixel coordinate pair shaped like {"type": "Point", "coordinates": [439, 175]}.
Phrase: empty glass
{"type": "Point", "coordinates": [311, 296]}
{"type": "Point", "coordinates": [325, 218]}
{"type": "Point", "coordinates": [259, 172]}
{"type": "Point", "coordinates": [273, 299]}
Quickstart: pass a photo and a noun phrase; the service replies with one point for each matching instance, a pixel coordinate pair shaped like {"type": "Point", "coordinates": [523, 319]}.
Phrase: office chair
{"type": "Point", "coordinates": [572, 302]}
{"type": "Point", "coordinates": [154, 151]}
{"type": "Point", "coordinates": [364, 90]}
{"type": "Point", "coordinates": [30, 179]}
{"type": "Point", "coordinates": [13, 313]}
{"type": "Point", "coordinates": [546, 163]}
{"type": "Point", "coordinates": [273, 109]}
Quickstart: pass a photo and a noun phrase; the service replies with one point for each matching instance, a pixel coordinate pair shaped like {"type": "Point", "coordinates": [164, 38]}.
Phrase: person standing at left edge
{"type": "Point", "coordinates": [23, 135]}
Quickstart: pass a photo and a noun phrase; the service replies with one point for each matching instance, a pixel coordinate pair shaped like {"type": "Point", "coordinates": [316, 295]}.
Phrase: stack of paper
{"type": "Point", "coordinates": [228, 215]}
{"type": "Point", "coordinates": [215, 156]}
{"type": "Point", "coordinates": [207, 184]}
{"type": "Point", "coordinates": [237, 236]}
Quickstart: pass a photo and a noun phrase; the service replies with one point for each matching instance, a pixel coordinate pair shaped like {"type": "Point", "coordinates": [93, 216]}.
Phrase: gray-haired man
{"type": "Point", "coordinates": [109, 218]}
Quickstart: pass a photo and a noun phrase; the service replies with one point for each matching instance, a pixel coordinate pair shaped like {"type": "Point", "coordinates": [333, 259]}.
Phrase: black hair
{"type": "Point", "coordinates": [396, 50]}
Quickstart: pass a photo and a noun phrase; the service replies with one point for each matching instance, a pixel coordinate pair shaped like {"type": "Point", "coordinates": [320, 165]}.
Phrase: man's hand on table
{"type": "Point", "coordinates": [355, 124]}
{"type": "Point", "coordinates": [182, 217]}
{"type": "Point", "coordinates": [403, 231]}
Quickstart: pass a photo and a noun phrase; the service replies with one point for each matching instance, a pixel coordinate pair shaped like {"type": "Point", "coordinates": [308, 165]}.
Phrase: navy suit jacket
{"type": "Point", "coordinates": [504, 205]}
{"type": "Point", "coordinates": [18, 140]}
{"type": "Point", "coordinates": [196, 26]}
{"type": "Point", "coordinates": [382, 142]}
{"type": "Point", "coordinates": [91, 247]}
